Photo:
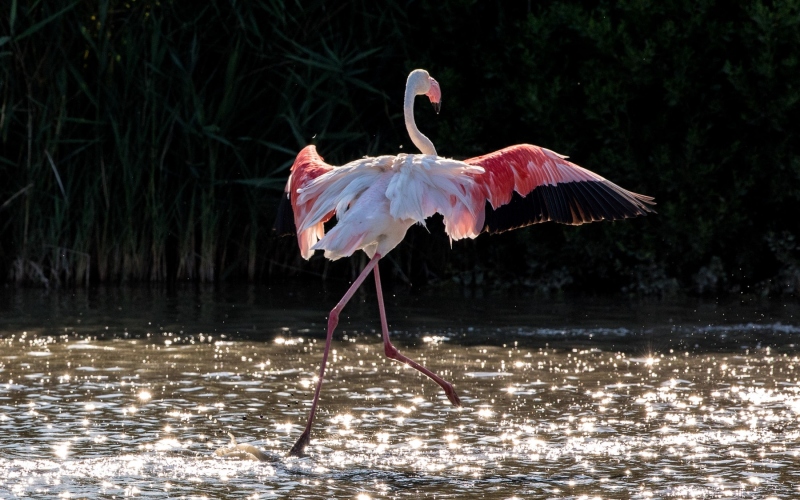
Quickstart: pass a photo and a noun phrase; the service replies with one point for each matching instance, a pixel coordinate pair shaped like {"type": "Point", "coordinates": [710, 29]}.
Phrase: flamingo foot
{"type": "Point", "coordinates": [451, 395]}
{"type": "Point", "coordinates": [299, 448]}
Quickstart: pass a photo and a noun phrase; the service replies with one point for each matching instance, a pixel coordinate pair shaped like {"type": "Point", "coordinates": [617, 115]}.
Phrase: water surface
{"type": "Point", "coordinates": [128, 393]}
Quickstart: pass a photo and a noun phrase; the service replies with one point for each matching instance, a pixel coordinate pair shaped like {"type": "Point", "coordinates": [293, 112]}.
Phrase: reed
{"type": "Point", "coordinates": [147, 141]}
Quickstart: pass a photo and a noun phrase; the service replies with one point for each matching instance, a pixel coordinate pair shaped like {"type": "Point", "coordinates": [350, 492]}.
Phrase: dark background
{"type": "Point", "coordinates": [149, 141]}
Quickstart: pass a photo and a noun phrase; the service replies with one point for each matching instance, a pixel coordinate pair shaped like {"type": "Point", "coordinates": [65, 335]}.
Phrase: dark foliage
{"type": "Point", "coordinates": [150, 141]}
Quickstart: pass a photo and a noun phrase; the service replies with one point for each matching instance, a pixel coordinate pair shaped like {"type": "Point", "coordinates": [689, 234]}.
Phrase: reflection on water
{"type": "Point", "coordinates": [130, 395]}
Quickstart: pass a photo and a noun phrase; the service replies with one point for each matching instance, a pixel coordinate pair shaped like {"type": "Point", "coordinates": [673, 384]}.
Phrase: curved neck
{"type": "Point", "coordinates": [418, 138]}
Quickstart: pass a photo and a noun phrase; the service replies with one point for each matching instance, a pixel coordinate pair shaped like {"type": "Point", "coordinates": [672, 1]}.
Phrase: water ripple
{"type": "Point", "coordinates": [548, 413]}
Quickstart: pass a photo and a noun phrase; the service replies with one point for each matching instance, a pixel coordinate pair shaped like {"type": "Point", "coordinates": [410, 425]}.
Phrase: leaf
{"type": "Point", "coordinates": [82, 84]}
{"type": "Point", "coordinates": [58, 177]}
{"type": "Point", "coordinates": [13, 17]}
{"type": "Point", "coordinates": [15, 195]}
{"type": "Point", "coordinates": [263, 182]}
{"type": "Point", "coordinates": [277, 147]}
{"type": "Point", "coordinates": [5, 160]}
{"type": "Point", "coordinates": [217, 138]}
{"type": "Point", "coordinates": [36, 27]}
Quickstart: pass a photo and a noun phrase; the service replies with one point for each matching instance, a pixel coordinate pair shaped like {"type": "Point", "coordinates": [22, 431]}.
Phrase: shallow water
{"type": "Point", "coordinates": [127, 393]}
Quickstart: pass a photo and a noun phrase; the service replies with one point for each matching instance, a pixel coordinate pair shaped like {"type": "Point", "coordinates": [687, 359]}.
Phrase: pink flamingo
{"type": "Point", "coordinates": [376, 200]}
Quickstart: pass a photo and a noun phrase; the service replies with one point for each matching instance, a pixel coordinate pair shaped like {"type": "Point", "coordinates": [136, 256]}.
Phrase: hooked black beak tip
{"type": "Point", "coordinates": [437, 106]}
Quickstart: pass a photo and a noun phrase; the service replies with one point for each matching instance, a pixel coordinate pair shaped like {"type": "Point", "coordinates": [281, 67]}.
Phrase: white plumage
{"type": "Point", "coordinates": [397, 190]}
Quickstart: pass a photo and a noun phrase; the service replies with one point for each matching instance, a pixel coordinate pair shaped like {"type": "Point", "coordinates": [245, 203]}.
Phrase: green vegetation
{"type": "Point", "coordinates": [149, 141]}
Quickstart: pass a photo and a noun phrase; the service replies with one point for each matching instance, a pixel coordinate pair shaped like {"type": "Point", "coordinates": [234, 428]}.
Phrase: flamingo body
{"type": "Point", "coordinates": [377, 199]}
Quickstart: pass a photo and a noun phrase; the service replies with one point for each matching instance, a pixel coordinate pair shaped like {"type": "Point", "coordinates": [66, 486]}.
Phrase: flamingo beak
{"type": "Point", "coordinates": [435, 95]}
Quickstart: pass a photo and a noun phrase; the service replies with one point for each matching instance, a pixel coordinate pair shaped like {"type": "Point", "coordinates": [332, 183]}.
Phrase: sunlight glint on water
{"type": "Point", "coordinates": [544, 416]}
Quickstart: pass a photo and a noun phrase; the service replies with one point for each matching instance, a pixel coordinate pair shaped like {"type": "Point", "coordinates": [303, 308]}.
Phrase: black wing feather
{"type": "Point", "coordinates": [567, 203]}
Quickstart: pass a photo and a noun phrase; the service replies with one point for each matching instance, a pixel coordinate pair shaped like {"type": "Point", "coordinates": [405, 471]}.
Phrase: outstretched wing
{"type": "Point", "coordinates": [526, 184]}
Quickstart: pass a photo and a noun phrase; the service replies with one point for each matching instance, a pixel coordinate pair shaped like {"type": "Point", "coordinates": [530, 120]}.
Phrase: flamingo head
{"type": "Point", "coordinates": [422, 83]}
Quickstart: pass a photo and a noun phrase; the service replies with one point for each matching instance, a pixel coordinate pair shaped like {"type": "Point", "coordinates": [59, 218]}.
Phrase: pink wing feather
{"type": "Point", "coordinates": [526, 184]}
{"type": "Point", "coordinates": [307, 166]}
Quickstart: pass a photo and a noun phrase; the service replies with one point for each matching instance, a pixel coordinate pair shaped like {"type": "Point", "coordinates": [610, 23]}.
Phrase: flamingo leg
{"type": "Point", "coordinates": [333, 319]}
{"type": "Point", "coordinates": [392, 352]}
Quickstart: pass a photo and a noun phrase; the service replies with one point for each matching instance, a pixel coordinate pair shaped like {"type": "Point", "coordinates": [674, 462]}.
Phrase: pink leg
{"type": "Point", "coordinates": [333, 319]}
{"type": "Point", "coordinates": [392, 352]}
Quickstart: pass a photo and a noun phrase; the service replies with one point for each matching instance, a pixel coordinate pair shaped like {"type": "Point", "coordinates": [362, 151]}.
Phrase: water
{"type": "Point", "coordinates": [128, 393]}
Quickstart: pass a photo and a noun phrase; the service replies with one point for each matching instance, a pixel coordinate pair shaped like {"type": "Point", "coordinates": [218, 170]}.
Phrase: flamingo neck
{"type": "Point", "coordinates": [418, 138]}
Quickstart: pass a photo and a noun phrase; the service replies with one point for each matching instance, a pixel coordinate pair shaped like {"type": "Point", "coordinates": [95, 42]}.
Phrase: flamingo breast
{"type": "Point", "coordinates": [367, 225]}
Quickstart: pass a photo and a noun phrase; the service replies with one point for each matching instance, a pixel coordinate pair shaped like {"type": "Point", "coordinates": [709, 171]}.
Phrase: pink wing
{"type": "Point", "coordinates": [307, 166]}
{"type": "Point", "coordinates": [526, 184]}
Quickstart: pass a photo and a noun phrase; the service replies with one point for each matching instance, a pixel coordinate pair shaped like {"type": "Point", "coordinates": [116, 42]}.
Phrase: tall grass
{"type": "Point", "coordinates": [147, 140]}
{"type": "Point", "coordinates": [138, 137]}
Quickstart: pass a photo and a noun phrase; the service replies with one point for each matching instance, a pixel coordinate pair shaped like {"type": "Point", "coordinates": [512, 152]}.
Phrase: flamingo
{"type": "Point", "coordinates": [377, 199]}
